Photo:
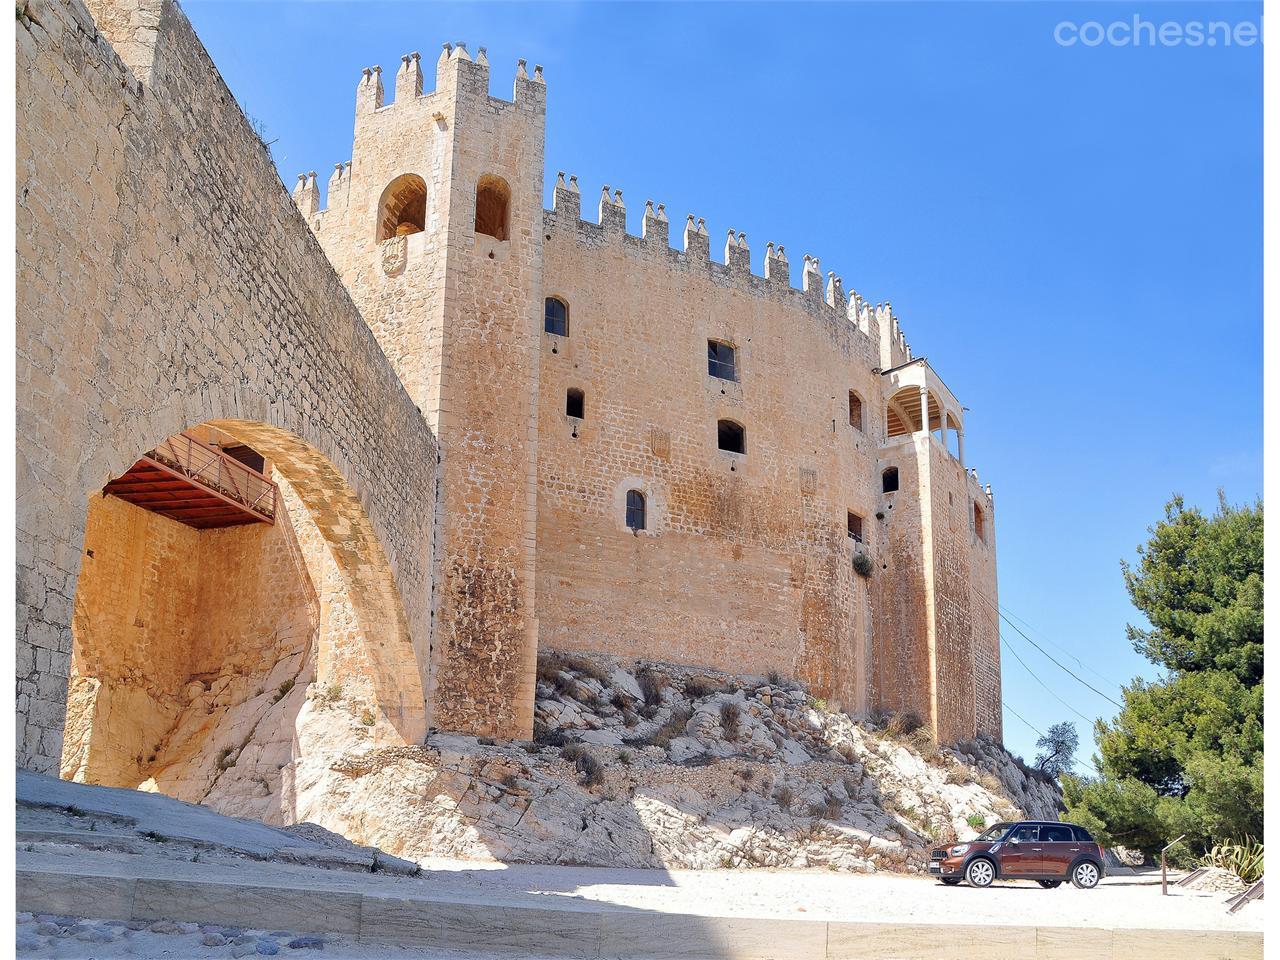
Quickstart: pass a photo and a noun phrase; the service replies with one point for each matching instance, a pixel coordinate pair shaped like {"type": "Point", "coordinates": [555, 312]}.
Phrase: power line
{"type": "Point", "coordinates": [1037, 679]}
{"type": "Point", "coordinates": [1073, 762]}
{"type": "Point", "coordinates": [1059, 646]}
{"type": "Point", "coordinates": [1047, 654]}
{"type": "Point", "coordinates": [1021, 717]}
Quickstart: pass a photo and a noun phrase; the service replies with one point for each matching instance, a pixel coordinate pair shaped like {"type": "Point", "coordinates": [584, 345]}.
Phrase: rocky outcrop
{"type": "Point", "coordinates": [661, 766]}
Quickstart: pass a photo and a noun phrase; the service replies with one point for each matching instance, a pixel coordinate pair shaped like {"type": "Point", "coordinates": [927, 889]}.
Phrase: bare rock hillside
{"type": "Point", "coordinates": [649, 765]}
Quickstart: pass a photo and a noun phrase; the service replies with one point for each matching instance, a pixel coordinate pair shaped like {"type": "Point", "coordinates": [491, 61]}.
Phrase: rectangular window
{"type": "Point", "coordinates": [855, 527]}
{"type": "Point", "coordinates": [722, 360]}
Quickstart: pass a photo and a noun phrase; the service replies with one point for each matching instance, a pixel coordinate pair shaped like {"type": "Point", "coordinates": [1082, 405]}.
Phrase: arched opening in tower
{"type": "Point", "coordinates": [216, 636]}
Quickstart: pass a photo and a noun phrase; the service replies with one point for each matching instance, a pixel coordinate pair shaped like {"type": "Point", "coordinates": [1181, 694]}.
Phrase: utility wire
{"type": "Point", "coordinates": [1004, 704]}
{"type": "Point", "coordinates": [1059, 646]}
{"type": "Point", "coordinates": [1047, 654]}
{"type": "Point", "coordinates": [1037, 679]}
{"type": "Point", "coordinates": [1021, 717]}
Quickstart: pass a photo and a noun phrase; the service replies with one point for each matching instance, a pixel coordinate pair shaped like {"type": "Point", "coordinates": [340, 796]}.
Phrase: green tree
{"type": "Point", "coordinates": [1057, 748]}
{"type": "Point", "coordinates": [1185, 753]}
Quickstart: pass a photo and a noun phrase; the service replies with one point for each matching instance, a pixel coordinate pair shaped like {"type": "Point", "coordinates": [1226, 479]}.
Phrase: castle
{"type": "Point", "coordinates": [449, 427]}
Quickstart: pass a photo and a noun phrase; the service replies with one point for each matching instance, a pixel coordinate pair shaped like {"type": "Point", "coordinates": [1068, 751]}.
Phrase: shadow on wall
{"type": "Point", "coordinates": [199, 650]}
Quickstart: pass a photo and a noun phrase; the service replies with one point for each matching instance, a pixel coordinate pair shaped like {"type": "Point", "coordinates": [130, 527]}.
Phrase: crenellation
{"type": "Point", "coordinates": [494, 436]}
{"type": "Point", "coordinates": [409, 78]}
{"type": "Point", "coordinates": [369, 93]}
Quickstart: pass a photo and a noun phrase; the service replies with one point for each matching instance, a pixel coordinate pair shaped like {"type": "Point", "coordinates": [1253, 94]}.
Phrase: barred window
{"type": "Point", "coordinates": [855, 527]}
{"type": "Point", "coordinates": [556, 317]}
{"type": "Point", "coordinates": [722, 360]}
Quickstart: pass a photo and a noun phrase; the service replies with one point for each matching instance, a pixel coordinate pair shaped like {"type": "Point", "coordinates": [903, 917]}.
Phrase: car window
{"type": "Point", "coordinates": [1027, 833]}
{"type": "Point", "coordinates": [994, 832]}
{"type": "Point", "coordinates": [1083, 835]}
{"type": "Point", "coordinates": [1054, 834]}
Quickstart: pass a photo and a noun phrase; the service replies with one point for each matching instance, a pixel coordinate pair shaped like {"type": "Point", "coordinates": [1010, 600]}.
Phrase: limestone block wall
{"type": "Point", "coordinates": [165, 278]}
{"type": "Point", "coordinates": [745, 563]}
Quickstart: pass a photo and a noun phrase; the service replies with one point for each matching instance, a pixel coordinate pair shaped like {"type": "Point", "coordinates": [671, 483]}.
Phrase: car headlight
{"type": "Point", "coordinates": [958, 850]}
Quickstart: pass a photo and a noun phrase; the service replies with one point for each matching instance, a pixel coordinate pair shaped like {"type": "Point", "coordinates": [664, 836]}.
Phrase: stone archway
{"type": "Point", "coordinates": [159, 308]}
{"type": "Point", "coordinates": [215, 662]}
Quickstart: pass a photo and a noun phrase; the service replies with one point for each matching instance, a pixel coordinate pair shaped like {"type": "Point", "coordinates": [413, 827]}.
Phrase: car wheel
{"type": "Point", "coordinates": [1049, 884]}
{"type": "Point", "coordinates": [980, 873]}
{"type": "Point", "coordinates": [950, 881]}
{"type": "Point", "coordinates": [1086, 875]}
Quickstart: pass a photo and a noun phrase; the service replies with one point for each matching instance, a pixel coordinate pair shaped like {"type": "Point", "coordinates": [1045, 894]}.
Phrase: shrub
{"type": "Point", "coordinates": [774, 678]}
{"type": "Point", "coordinates": [862, 565]}
{"type": "Point", "coordinates": [548, 737]}
{"type": "Point", "coordinates": [530, 746]}
{"type": "Point", "coordinates": [619, 700]}
{"type": "Point", "coordinates": [673, 728]}
{"type": "Point", "coordinates": [903, 723]}
{"type": "Point", "coordinates": [486, 741]}
{"type": "Point", "coordinates": [977, 821]}
{"type": "Point", "coordinates": [590, 770]}
{"type": "Point", "coordinates": [731, 720]}
{"type": "Point", "coordinates": [960, 774]}
{"type": "Point", "coordinates": [551, 664]}
{"type": "Point", "coordinates": [818, 704]}
{"type": "Point", "coordinates": [282, 690]}
{"type": "Point", "coordinates": [747, 774]}
{"type": "Point", "coordinates": [624, 757]}
{"type": "Point", "coordinates": [572, 752]}
{"type": "Point", "coordinates": [834, 809]}
{"type": "Point", "coordinates": [652, 684]}
{"type": "Point", "coordinates": [850, 787]}
{"type": "Point", "coordinates": [695, 688]}
{"type": "Point", "coordinates": [510, 780]}
{"type": "Point", "coordinates": [367, 718]}
{"type": "Point", "coordinates": [1244, 859]}
{"type": "Point", "coordinates": [991, 783]}
{"type": "Point", "coordinates": [784, 796]}
{"type": "Point", "coordinates": [818, 809]}
{"type": "Point", "coordinates": [334, 691]}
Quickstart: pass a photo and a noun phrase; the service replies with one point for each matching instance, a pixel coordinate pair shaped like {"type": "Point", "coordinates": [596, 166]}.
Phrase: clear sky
{"type": "Point", "coordinates": [1071, 235]}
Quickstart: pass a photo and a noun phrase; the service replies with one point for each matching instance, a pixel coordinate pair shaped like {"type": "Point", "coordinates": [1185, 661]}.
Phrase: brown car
{"type": "Point", "coordinates": [1027, 850]}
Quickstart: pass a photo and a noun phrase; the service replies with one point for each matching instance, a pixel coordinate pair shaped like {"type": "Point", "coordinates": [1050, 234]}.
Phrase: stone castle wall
{"type": "Point", "coordinates": [166, 279]}
{"type": "Point", "coordinates": [406, 392]}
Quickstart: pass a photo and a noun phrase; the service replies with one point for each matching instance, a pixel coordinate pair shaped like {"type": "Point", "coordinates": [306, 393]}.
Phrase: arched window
{"type": "Point", "coordinates": [722, 360]}
{"type": "Point", "coordinates": [555, 317]}
{"type": "Point", "coordinates": [889, 480]}
{"type": "Point", "coordinates": [493, 207]}
{"type": "Point", "coordinates": [855, 410]}
{"type": "Point", "coordinates": [402, 208]}
{"type": "Point", "coordinates": [575, 404]}
{"type": "Point", "coordinates": [731, 437]}
{"type": "Point", "coordinates": [979, 523]}
{"type": "Point", "coordinates": [635, 510]}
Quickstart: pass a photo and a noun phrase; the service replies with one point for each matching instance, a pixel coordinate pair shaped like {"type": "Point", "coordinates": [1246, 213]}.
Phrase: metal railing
{"type": "Point", "coordinates": [226, 476]}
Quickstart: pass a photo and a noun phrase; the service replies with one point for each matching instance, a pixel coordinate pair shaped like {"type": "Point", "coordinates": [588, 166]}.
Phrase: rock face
{"type": "Point", "coordinates": [658, 766]}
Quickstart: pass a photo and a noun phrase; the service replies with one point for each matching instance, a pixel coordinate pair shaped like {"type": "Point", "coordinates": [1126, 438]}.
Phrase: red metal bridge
{"type": "Point", "coordinates": [198, 484]}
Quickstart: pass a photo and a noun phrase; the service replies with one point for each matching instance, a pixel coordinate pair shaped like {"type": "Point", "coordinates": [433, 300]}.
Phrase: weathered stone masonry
{"type": "Point", "coordinates": [165, 279]}
{"type": "Point", "coordinates": [391, 363]}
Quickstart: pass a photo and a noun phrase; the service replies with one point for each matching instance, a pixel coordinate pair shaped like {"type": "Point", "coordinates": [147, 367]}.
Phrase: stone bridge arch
{"type": "Point", "coordinates": [165, 278]}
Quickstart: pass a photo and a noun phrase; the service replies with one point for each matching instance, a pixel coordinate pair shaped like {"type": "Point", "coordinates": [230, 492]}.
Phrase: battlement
{"type": "Point", "coordinates": [457, 74]}
{"type": "Point", "coordinates": [825, 298]}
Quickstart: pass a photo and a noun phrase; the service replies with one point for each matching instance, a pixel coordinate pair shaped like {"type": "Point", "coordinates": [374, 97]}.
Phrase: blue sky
{"type": "Point", "coordinates": [1071, 235]}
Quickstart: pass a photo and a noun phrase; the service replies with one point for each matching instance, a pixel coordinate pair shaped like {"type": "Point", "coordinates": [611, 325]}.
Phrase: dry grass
{"type": "Point", "coordinates": [652, 684]}
{"type": "Point", "coordinates": [731, 720]}
{"type": "Point", "coordinates": [695, 688]}
{"type": "Point", "coordinates": [903, 724]}
{"type": "Point", "coordinates": [673, 728]}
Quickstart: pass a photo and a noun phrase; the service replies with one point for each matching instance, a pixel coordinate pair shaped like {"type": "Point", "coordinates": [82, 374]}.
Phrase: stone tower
{"type": "Point", "coordinates": [435, 227]}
